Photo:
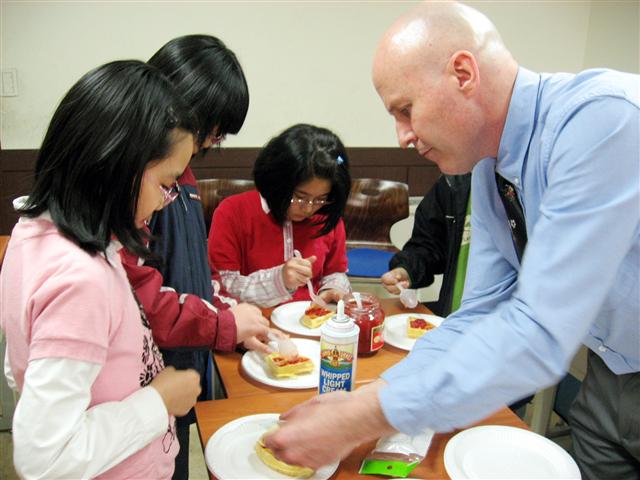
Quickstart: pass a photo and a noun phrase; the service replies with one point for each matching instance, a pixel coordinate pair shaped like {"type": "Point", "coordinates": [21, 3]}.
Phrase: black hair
{"type": "Point", "coordinates": [114, 121]}
{"type": "Point", "coordinates": [297, 155]}
{"type": "Point", "coordinates": [209, 77]}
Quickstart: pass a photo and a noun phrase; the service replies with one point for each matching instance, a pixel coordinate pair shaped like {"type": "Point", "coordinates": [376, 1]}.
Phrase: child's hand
{"type": "Point", "coordinates": [258, 345]}
{"type": "Point", "coordinates": [297, 271]}
{"type": "Point", "coordinates": [249, 322]}
{"type": "Point", "coordinates": [392, 278]}
{"type": "Point", "coordinates": [331, 295]}
{"type": "Point", "coordinates": [179, 389]}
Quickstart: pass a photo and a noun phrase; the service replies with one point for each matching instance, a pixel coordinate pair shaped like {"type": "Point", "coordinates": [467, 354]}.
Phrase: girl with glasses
{"type": "Point", "coordinates": [95, 398]}
{"type": "Point", "coordinates": [303, 181]}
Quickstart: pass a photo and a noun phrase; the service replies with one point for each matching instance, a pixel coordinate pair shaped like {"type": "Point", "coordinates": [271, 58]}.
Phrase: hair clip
{"type": "Point", "coordinates": [339, 160]}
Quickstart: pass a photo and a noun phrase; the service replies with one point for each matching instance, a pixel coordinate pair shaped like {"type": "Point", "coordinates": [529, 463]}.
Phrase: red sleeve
{"type": "Point", "coordinates": [336, 261]}
{"type": "Point", "coordinates": [178, 320]}
{"type": "Point", "coordinates": [223, 243]}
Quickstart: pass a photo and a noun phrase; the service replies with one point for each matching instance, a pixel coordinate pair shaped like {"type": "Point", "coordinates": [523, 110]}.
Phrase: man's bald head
{"type": "Point", "coordinates": [454, 55]}
{"type": "Point", "coordinates": [434, 31]}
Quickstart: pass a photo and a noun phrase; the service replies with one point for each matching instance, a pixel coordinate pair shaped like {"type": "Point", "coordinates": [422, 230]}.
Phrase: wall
{"type": "Point", "coordinates": [305, 61]}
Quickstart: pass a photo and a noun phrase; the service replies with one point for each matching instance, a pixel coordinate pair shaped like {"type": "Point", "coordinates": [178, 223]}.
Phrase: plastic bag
{"type": "Point", "coordinates": [409, 297]}
{"type": "Point", "coordinates": [397, 455]}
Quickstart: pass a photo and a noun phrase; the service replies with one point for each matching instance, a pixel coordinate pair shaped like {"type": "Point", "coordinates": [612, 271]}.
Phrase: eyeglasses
{"type": "Point", "coordinates": [314, 202]}
{"type": "Point", "coordinates": [170, 194]}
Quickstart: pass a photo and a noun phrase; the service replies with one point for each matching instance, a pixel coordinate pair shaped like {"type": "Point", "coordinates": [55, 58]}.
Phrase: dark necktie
{"type": "Point", "coordinates": [515, 214]}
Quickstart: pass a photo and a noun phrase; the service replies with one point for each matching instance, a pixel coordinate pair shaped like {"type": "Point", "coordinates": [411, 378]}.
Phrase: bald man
{"type": "Point", "coordinates": [555, 253]}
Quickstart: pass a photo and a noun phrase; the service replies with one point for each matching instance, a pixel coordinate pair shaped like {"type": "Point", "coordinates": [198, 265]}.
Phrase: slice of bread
{"type": "Point", "coordinates": [282, 367]}
{"type": "Point", "coordinates": [416, 327]}
{"type": "Point", "coordinates": [314, 316]}
{"type": "Point", "coordinates": [273, 463]}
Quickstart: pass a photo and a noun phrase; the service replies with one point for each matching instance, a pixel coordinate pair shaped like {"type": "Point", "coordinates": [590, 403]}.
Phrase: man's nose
{"type": "Point", "coordinates": [406, 137]}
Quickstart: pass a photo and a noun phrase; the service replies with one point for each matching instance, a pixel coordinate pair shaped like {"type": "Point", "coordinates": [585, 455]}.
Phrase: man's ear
{"type": "Point", "coordinates": [463, 67]}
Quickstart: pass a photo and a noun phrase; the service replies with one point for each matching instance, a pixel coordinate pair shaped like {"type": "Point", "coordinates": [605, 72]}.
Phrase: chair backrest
{"type": "Point", "coordinates": [214, 190]}
{"type": "Point", "coordinates": [372, 208]}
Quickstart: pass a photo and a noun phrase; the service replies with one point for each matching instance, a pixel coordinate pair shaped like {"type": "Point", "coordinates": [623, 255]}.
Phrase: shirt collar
{"type": "Point", "coordinates": [265, 205]}
{"type": "Point", "coordinates": [518, 127]}
{"type": "Point", "coordinates": [113, 249]}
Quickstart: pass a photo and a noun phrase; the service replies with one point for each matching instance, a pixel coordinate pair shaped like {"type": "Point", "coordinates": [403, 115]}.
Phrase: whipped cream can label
{"type": "Point", "coordinates": [336, 367]}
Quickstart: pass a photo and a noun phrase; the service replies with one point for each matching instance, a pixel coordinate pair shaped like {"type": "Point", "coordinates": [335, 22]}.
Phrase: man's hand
{"type": "Point", "coordinates": [326, 428]}
{"type": "Point", "coordinates": [391, 279]}
{"type": "Point", "coordinates": [297, 271]}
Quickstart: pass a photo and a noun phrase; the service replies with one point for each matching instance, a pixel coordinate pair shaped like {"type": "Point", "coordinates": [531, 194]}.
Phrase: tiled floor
{"type": "Point", "coordinates": [6, 457]}
{"type": "Point", "coordinates": [197, 466]}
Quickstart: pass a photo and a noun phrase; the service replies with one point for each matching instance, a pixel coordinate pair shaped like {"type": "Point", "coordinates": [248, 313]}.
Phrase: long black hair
{"type": "Point", "coordinates": [297, 155]}
{"type": "Point", "coordinates": [209, 77]}
{"type": "Point", "coordinates": [114, 121]}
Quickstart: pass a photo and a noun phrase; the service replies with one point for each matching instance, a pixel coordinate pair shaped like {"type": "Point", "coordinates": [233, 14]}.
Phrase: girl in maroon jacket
{"type": "Point", "coordinates": [187, 314]}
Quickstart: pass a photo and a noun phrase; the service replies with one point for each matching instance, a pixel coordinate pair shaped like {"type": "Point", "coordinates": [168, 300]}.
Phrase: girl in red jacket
{"type": "Point", "coordinates": [303, 181]}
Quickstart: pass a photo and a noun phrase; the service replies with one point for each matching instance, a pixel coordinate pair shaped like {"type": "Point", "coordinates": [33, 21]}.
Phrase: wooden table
{"type": "Point", "coordinates": [212, 415]}
{"type": "Point", "coordinates": [4, 241]}
{"type": "Point", "coordinates": [238, 384]}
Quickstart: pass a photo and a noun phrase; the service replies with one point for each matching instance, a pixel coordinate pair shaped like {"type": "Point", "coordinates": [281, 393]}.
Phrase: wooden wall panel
{"type": "Point", "coordinates": [421, 178]}
{"type": "Point", "coordinates": [16, 171]}
{"type": "Point", "coordinates": [222, 172]}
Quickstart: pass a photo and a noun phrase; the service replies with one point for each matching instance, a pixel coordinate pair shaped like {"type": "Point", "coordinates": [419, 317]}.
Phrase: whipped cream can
{"type": "Point", "coordinates": [338, 353]}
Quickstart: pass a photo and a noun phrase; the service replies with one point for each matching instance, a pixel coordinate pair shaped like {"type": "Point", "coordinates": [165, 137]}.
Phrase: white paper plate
{"type": "Point", "coordinates": [230, 451]}
{"type": "Point", "coordinates": [254, 365]}
{"type": "Point", "coordinates": [287, 317]}
{"type": "Point", "coordinates": [498, 452]}
{"type": "Point", "coordinates": [395, 329]}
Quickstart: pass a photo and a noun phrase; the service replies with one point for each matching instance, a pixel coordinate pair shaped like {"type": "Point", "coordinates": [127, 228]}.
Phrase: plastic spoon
{"type": "Point", "coordinates": [408, 296]}
{"type": "Point", "coordinates": [285, 345]}
{"type": "Point", "coordinates": [356, 295]}
{"type": "Point", "coordinates": [314, 298]}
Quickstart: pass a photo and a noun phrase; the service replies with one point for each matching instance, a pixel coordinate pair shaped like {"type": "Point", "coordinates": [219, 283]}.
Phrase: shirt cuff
{"type": "Point", "coordinates": [278, 281]}
{"type": "Point", "coordinates": [151, 410]}
{"type": "Point", "coordinates": [338, 281]}
{"type": "Point", "coordinates": [405, 411]}
{"type": "Point", "coordinates": [227, 334]}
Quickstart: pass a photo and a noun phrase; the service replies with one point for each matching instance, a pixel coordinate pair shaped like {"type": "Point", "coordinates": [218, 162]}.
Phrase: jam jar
{"type": "Point", "coordinates": [370, 319]}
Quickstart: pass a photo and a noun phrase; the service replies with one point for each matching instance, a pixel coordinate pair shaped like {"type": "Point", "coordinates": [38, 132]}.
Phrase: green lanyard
{"type": "Point", "coordinates": [463, 257]}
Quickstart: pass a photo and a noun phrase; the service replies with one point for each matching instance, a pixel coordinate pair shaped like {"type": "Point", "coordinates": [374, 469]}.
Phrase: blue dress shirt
{"type": "Point", "coordinates": [571, 147]}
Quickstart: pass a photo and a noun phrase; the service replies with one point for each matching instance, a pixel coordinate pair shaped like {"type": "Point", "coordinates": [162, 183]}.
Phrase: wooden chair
{"type": "Point", "coordinates": [372, 208]}
{"type": "Point", "coordinates": [4, 241]}
{"type": "Point", "coordinates": [214, 190]}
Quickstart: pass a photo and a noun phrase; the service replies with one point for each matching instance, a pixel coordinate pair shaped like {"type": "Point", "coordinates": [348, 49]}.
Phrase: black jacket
{"type": "Point", "coordinates": [435, 241]}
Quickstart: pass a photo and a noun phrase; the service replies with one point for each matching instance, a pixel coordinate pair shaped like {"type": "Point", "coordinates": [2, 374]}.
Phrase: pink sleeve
{"type": "Point", "coordinates": [71, 316]}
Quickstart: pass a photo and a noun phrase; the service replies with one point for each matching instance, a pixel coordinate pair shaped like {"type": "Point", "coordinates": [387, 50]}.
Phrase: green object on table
{"type": "Point", "coordinates": [387, 467]}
